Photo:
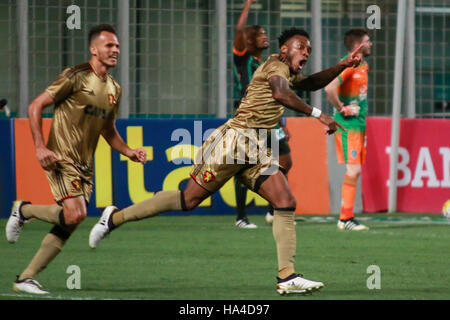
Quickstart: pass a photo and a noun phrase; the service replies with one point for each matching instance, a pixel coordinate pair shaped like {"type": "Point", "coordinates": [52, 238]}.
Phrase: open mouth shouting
{"type": "Point", "coordinates": [302, 63]}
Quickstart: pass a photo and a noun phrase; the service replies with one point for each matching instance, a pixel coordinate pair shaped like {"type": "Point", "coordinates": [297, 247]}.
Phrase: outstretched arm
{"type": "Point", "coordinates": [284, 95]}
{"type": "Point", "coordinates": [320, 79]}
{"type": "Point", "coordinates": [239, 35]}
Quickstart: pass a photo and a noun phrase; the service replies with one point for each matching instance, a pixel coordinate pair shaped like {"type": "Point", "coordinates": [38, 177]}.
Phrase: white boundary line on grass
{"type": "Point", "coordinates": [52, 297]}
{"type": "Point", "coordinates": [387, 220]}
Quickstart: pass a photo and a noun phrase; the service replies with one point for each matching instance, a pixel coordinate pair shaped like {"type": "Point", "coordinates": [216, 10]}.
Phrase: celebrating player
{"type": "Point", "coordinates": [348, 94]}
{"type": "Point", "coordinates": [86, 100]}
{"type": "Point", "coordinates": [267, 95]}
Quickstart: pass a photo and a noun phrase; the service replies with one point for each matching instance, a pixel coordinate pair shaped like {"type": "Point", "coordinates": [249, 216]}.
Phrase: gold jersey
{"type": "Point", "coordinates": [258, 108]}
{"type": "Point", "coordinates": [84, 103]}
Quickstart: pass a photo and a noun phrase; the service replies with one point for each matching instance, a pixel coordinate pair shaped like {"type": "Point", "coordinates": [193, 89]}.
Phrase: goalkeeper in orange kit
{"type": "Point", "coordinates": [348, 94]}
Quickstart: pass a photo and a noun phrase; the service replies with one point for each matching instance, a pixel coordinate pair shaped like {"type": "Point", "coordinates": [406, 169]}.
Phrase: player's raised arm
{"type": "Point", "coordinates": [321, 79]}
{"type": "Point", "coordinates": [284, 95]}
{"type": "Point", "coordinates": [239, 35]}
{"type": "Point", "coordinates": [46, 157]}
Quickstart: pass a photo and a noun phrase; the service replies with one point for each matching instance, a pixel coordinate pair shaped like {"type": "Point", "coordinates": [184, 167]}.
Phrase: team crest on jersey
{"type": "Point", "coordinates": [354, 153]}
{"type": "Point", "coordinates": [209, 175]}
{"type": "Point", "coordinates": [76, 184]}
{"type": "Point", "coordinates": [111, 99]}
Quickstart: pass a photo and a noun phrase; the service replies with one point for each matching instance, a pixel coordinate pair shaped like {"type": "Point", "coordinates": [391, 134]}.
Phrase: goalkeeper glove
{"type": "Point", "coordinates": [350, 110]}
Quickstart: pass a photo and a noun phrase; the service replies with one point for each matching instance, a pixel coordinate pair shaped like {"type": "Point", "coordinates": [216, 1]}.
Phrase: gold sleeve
{"type": "Point", "coordinates": [116, 107]}
{"type": "Point", "coordinates": [62, 87]}
{"type": "Point", "coordinates": [277, 68]}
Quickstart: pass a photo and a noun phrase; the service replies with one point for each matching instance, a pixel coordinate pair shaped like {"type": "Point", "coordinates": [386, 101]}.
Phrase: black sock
{"type": "Point", "coordinates": [62, 220]}
{"type": "Point", "coordinates": [292, 276]}
{"type": "Point", "coordinates": [111, 225]}
{"type": "Point", "coordinates": [20, 211]}
{"type": "Point", "coordinates": [241, 195]}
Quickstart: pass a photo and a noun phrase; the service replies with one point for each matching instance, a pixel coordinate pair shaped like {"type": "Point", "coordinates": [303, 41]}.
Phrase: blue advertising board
{"type": "Point", "coordinates": [171, 146]}
{"type": "Point", "coordinates": [7, 166]}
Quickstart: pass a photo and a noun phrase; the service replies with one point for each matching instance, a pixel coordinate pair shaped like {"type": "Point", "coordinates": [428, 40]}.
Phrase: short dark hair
{"type": "Point", "coordinates": [354, 35]}
{"type": "Point", "coordinates": [95, 31]}
{"type": "Point", "coordinates": [289, 33]}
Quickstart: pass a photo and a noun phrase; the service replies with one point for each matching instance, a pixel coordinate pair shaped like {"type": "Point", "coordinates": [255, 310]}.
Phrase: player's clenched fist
{"type": "Point", "coordinates": [47, 158]}
{"type": "Point", "coordinates": [138, 155]}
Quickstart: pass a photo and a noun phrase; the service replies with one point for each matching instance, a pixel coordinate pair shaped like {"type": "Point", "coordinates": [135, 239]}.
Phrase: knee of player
{"type": "Point", "coordinates": [190, 204]}
{"type": "Point", "coordinates": [288, 202]}
{"type": "Point", "coordinates": [354, 172]}
{"type": "Point", "coordinates": [74, 218]}
{"type": "Point", "coordinates": [284, 204]}
{"type": "Point", "coordinates": [292, 203]}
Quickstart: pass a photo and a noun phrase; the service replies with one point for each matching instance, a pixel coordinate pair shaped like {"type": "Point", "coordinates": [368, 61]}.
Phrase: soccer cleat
{"type": "Point", "coordinates": [245, 224]}
{"type": "Point", "coordinates": [351, 224]}
{"type": "Point", "coordinates": [296, 284]}
{"type": "Point", "coordinates": [269, 218]}
{"type": "Point", "coordinates": [15, 222]}
{"type": "Point", "coordinates": [28, 285]}
{"type": "Point", "coordinates": [101, 228]}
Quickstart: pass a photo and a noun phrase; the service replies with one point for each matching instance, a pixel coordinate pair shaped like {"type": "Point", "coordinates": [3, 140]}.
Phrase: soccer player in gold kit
{"type": "Point", "coordinates": [86, 100]}
{"type": "Point", "coordinates": [228, 152]}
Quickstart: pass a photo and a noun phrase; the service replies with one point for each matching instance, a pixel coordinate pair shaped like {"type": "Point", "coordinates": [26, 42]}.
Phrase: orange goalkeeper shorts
{"type": "Point", "coordinates": [350, 146]}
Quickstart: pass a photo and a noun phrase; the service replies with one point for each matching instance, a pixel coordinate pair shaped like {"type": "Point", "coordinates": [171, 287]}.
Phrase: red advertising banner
{"type": "Point", "coordinates": [423, 165]}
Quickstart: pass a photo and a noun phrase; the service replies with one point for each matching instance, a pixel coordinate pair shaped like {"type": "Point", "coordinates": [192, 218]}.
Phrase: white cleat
{"type": "Point", "coordinates": [101, 228]}
{"type": "Point", "coordinates": [15, 222]}
{"type": "Point", "coordinates": [28, 286]}
{"type": "Point", "coordinates": [245, 224]}
{"type": "Point", "coordinates": [269, 218]}
{"type": "Point", "coordinates": [297, 284]}
{"type": "Point", "coordinates": [351, 224]}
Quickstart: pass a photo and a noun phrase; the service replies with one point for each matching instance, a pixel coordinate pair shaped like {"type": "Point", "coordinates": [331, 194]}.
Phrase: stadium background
{"type": "Point", "coordinates": [174, 72]}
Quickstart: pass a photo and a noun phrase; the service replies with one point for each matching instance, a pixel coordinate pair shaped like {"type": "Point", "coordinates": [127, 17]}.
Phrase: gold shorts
{"type": "Point", "coordinates": [69, 181]}
{"type": "Point", "coordinates": [232, 152]}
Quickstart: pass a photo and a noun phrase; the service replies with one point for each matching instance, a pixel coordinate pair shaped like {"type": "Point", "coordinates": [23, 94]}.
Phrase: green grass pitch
{"type": "Point", "coordinates": [207, 258]}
